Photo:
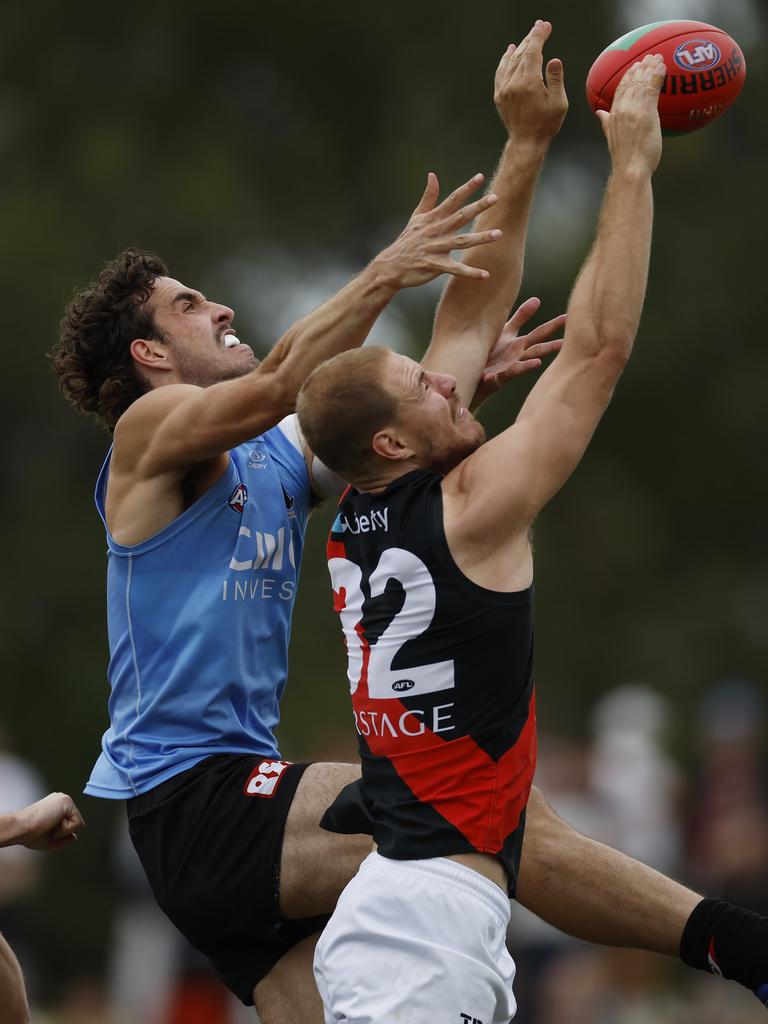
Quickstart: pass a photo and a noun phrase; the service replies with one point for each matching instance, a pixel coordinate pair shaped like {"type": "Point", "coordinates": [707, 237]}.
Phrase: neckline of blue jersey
{"type": "Point", "coordinates": [226, 481]}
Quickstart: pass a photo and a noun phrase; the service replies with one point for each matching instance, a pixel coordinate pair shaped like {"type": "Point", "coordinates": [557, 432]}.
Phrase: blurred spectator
{"type": "Point", "coordinates": [634, 776]}
{"type": "Point", "coordinates": [728, 817]}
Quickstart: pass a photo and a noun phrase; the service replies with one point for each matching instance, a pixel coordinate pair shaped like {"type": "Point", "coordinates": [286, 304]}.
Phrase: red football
{"type": "Point", "coordinates": [705, 71]}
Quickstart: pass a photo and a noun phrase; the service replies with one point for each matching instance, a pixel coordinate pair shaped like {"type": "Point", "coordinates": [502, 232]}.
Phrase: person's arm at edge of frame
{"type": "Point", "coordinates": [48, 824]}
{"type": "Point", "coordinates": [469, 321]}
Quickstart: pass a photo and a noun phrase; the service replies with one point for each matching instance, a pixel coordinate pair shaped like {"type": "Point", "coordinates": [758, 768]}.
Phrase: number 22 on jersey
{"type": "Point", "coordinates": [413, 619]}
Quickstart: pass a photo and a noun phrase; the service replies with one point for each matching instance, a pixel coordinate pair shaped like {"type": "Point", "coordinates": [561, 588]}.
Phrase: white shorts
{"type": "Point", "coordinates": [417, 942]}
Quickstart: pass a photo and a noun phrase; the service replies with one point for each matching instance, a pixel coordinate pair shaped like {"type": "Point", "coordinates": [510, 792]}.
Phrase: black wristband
{"type": "Point", "coordinates": [729, 941]}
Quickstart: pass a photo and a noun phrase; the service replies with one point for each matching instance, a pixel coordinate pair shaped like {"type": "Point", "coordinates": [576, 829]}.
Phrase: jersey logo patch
{"type": "Point", "coordinates": [289, 503]}
{"type": "Point", "coordinates": [238, 498]}
{"type": "Point", "coordinates": [257, 459]}
{"type": "Point", "coordinates": [265, 778]}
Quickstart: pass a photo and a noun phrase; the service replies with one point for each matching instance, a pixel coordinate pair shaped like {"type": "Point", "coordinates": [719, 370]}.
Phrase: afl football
{"type": "Point", "coordinates": [705, 71]}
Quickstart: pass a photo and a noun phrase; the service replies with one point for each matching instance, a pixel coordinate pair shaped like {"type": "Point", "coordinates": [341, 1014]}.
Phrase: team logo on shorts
{"type": "Point", "coordinates": [697, 55]}
{"type": "Point", "coordinates": [238, 498]}
{"type": "Point", "coordinates": [265, 778]}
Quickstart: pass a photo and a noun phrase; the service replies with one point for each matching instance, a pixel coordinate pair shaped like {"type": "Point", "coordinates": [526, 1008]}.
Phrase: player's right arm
{"type": "Point", "coordinates": [178, 426]}
{"type": "Point", "coordinates": [506, 482]}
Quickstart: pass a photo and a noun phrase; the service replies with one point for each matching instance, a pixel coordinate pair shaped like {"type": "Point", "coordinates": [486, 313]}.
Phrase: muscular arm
{"type": "Point", "coordinates": [521, 469]}
{"type": "Point", "coordinates": [469, 320]}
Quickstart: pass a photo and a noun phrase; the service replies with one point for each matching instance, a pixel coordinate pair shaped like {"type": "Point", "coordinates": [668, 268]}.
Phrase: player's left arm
{"type": "Point", "coordinates": [49, 824]}
{"type": "Point", "coordinates": [468, 324]}
{"type": "Point", "coordinates": [506, 483]}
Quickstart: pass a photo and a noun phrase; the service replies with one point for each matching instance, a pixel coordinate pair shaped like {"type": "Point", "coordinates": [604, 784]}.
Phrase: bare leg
{"type": "Point", "coordinates": [595, 893]}
{"type": "Point", "coordinates": [316, 865]}
{"type": "Point", "coordinates": [288, 994]}
{"type": "Point", "coordinates": [314, 868]}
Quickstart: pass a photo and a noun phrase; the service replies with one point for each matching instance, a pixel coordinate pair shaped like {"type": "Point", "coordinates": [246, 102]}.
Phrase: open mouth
{"type": "Point", "coordinates": [231, 341]}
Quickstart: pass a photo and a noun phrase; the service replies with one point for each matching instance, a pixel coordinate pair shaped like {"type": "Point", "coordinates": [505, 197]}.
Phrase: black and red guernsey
{"type": "Point", "coordinates": [441, 675]}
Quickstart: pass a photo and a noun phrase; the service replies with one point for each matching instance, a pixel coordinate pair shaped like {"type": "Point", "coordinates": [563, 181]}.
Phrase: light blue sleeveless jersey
{"type": "Point", "coordinates": [199, 620]}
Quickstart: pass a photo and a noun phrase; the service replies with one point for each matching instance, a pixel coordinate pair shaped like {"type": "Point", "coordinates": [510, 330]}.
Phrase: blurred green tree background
{"type": "Point", "coordinates": [267, 151]}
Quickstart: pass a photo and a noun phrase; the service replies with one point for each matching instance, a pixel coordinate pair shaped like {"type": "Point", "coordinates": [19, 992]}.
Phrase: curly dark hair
{"type": "Point", "coordinates": [92, 358]}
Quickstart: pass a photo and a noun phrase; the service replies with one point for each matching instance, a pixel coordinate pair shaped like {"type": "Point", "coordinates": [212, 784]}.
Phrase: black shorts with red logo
{"type": "Point", "coordinates": [210, 841]}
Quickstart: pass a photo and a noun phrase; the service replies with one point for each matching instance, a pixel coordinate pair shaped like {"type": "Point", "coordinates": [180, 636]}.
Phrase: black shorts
{"type": "Point", "coordinates": [210, 840]}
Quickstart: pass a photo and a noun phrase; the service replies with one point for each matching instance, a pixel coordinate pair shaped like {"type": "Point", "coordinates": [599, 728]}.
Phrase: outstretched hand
{"type": "Point", "coordinates": [514, 353]}
{"type": "Point", "coordinates": [632, 128]}
{"type": "Point", "coordinates": [423, 250]}
{"type": "Point", "coordinates": [48, 824]}
{"type": "Point", "coordinates": [531, 103]}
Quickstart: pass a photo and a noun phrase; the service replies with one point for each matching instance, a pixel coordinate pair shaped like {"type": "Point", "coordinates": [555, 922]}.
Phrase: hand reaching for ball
{"type": "Point", "coordinates": [632, 128]}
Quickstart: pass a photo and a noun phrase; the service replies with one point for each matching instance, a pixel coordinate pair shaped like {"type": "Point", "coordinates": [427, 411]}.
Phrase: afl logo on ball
{"type": "Point", "coordinates": [238, 498]}
{"type": "Point", "coordinates": [697, 55]}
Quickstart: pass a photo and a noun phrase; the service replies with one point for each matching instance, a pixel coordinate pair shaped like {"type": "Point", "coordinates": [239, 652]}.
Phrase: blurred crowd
{"type": "Point", "coordinates": [707, 826]}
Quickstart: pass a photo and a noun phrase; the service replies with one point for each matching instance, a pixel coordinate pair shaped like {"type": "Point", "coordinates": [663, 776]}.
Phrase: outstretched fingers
{"type": "Point", "coordinates": [545, 331]}
{"type": "Point", "coordinates": [468, 213]}
{"type": "Point", "coordinates": [456, 269]}
{"type": "Point", "coordinates": [431, 192]}
{"type": "Point", "coordinates": [642, 83]}
{"type": "Point", "coordinates": [468, 241]}
{"type": "Point", "coordinates": [543, 349]}
{"type": "Point", "coordinates": [522, 315]}
{"type": "Point", "coordinates": [532, 58]}
{"type": "Point", "coordinates": [453, 202]}
{"type": "Point", "coordinates": [555, 79]}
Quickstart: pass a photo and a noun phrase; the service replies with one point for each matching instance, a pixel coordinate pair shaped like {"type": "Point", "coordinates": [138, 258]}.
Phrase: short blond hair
{"type": "Point", "coordinates": [341, 406]}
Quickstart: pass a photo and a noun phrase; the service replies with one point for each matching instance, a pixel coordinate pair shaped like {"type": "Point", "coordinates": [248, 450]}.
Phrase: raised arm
{"type": "Point", "coordinates": [469, 320]}
{"type": "Point", "coordinates": [177, 426]}
{"type": "Point", "coordinates": [515, 474]}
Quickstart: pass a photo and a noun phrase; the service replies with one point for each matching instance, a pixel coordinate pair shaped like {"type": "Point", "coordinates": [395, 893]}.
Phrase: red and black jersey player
{"type": "Point", "coordinates": [432, 571]}
{"type": "Point", "coordinates": [441, 675]}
